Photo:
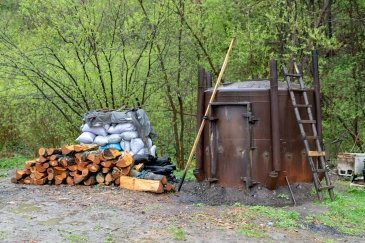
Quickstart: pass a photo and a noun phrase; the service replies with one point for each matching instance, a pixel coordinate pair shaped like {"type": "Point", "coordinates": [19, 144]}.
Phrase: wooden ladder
{"type": "Point", "coordinates": [315, 155]}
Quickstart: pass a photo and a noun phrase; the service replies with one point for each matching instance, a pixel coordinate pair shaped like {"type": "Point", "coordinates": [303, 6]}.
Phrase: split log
{"type": "Point", "coordinates": [141, 184]}
{"type": "Point", "coordinates": [85, 172]}
{"type": "Point", "coordinates": [58, 179]}
{"type": "Point", "coordinates": [100, 178]}
{"type": "Point", "coordinates": [39, 175]}
{"type": "Point", "coordinates": [72, 167]}
{"type": "Point", "coordinates": [50, 174]}
{"type": "Point", "coordinates": [20, 174]}
{"type": "Point", "coordinates": [42, 152]}
{"type": "Point", "coordinates": [108, 179]}
{"type": "Point", "coordinates": [27, 171]}
{"type": "Point", "coordinates": [41, 181]}
{"type": "Point", "coordinates": [116, 173]}
{"type": "Point", "coordinates": [27, 180]}
{"type": "Point", "coordinates": [93, 168]}
{"type": "Point", "coordinates": [110, 153]}
{"type": "Point", "coordinates": [41, 159]}
{"type": "Point", "coordinates": [90, 181]}
{"type": "Point", "coordinates": [59, 170]}
{"type": "Point", "coordinates": [169, 187]}
{"type": "Point", "coordinates": [105, 170]}
{"type": "Point", "coordinates": [94, 156]}
{"type": "Point", "coordinates": [67, 149]}
{"type": "Point", "coordinates": [78, 178]}
{"type": "Point", "coordinates": [70, 181]}
{"type": "Point", "coordinates": [67, 161]}
{"type": "Point", "coordinates": [117, 181]}
{"type": "Point", "coordinates": [55, 157]}
{"type": "Point", "coordinates": [29, 164]}
{"type": "Point", "coordinates": [125, 160]}
{"type": "Point", "coordinates": [53, 163]}
{"type": "Point", "coordinates": [108, 164]}
{"type": "Point", "coordinates": [41, 167]}
{"type": "Point", "coordinates": [78, 158]}
{"type": "Point", "coordinates": [82, 165]}
{"type": "Point", "coordinates": [84, 147]}
{"type": "Point", "coordinates": [139, 167]}
{"type": "Point", "coordinates": [126, 170]}
{"type": "Point", "coordinates": [52, 151]}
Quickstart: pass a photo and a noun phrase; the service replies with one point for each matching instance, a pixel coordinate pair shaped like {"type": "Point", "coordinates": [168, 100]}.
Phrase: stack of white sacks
{"type": "Point", "coordinates": [122, 136]}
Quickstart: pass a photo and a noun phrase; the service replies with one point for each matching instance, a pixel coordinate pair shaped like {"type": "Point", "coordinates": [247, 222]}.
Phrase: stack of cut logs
{"type": "Point", "coordinates": [86, 165]}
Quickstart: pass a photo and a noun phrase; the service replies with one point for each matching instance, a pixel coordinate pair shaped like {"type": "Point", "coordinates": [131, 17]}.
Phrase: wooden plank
{"type": "Point", "coordinates": [316, 153]}
{"type": "Point", "coordinates": [141, 184]}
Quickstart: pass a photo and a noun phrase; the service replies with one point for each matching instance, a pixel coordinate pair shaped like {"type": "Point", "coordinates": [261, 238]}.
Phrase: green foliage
{"type": "Point", "coordinates": [61, 58]}
{"type": "Point", "coordinates": [189, 174]}
{"type": "Point", "coordinates": [346, 213]}
{"type": "Point", "coordinates": [251, 230]}
{"type": "Point", "coordinates": [178, 233]}
{"type": "Point", "coordinates": [281, 218]}
{"type": "Point", "coordinates": [15, 161]}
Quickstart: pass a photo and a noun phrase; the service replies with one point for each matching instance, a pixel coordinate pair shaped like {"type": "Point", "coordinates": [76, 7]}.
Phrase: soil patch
{"type": "Point", "coordinates": [199, 213]}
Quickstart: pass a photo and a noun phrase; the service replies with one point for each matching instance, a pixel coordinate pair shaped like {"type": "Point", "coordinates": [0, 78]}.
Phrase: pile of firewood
{"type": "Point", "coordinates": [87, 165]}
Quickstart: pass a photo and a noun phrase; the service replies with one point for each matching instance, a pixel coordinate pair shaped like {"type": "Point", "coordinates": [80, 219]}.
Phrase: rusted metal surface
{"type": "Point", "coordinates": [317, 92]}
{"type": "Point", "coordinates": [228, 142]}
{"type": "Point", "coordinates": [199, 171]}
{"type": "Point", "coordinates": [275, 130]}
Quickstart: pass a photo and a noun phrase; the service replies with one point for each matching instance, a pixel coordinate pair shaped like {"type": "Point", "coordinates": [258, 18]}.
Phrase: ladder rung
{"type": "Point", "coordinates": [293, 75]}
{"type": "Point", "coordinates": [307, 121]}
{"type": "Point", "coordinates": [299, 89]}
{"type": "Point", "coordinates": [326, 187]}
{"type": "Point", "coordinates": [312, 137]}
{"type": "Point", "coordinates": [319, 170]}
{"type": "Point", "coordinates": [302, 105]}
{"type": "Point", "coordinates": [316, 153]}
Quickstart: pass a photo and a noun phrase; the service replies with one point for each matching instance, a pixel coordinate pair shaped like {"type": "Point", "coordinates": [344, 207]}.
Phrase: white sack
{"type": "Point", "coordinates": [128, 136]}
{"type": "Point", "coordinates": [141, 152]}
{"type": "Point", "coordinates": [114, 138]}
{"type": "Point", "coordinates": [153, 150]}
{"type": "Point", "coordinates": [106, 127]}
{"type": "Point", "coordinates": [149, 142]}
{"type": "Point", "coordinates": [95, 130]}
{"type": "Point", "coordinates": [86, 138]}
{"type": "Point", "coordinates": [136, 145]}
{"type": "Point", "coordinates": [122, 127]}
{"type": "Point", "coordinates": [101, 140]}
{"type": "Point", "coordinates": [126, 145]}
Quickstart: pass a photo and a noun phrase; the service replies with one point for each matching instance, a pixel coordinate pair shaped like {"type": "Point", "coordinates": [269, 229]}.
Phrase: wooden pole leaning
{"type": "Point", "coordinates": [200, 131]}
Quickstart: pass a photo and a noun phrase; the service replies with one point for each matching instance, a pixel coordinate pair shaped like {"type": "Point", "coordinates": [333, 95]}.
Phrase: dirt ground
{"type": "Point", "coordinates": [110, 214]}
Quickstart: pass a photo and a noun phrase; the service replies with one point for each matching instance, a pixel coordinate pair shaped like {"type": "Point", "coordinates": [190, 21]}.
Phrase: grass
{"type": "Point", "coordinates": [109, 239]}
{"type": "Point", "coordinates": [178, 233]}
{"type": "Point", "coordinates": [346, 213]}
{"type": "Point", "coordinates": [72, 237]}
{"type": "Point", "coordinates": [2, 235]}
{"type": "Point", "coordinates": [281, 218]}
{"type": "Point", "coordinates": [251, 230]}
{"type": "Point", "coordinates": [189, 174]}
{"type": "Point", "coordinates": [14, 161]}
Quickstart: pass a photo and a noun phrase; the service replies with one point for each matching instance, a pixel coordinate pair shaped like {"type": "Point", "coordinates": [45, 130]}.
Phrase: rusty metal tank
{"type": "Point", "coordinates": [237, 147]}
